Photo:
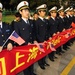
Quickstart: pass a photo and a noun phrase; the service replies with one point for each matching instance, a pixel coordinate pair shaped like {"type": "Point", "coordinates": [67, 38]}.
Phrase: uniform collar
{"type": "Point", "coordinates": [67, 16]}
{"type": "Point", "coordinates": [24, 20]}
{"type": "Point", "coordinates": [61, 17]}
{"type": "Point", "coordinates": [1, 24]}
{"type": "Point", "coordinates": [71, 15]}
{"type": "Point", "coordinates": [41, 18]}
{"type": "Point", "coordinates": [53, 18]}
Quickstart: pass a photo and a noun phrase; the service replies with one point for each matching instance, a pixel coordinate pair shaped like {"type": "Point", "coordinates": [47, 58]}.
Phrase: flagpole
{"type": "Point", "coordinates": [7, 39]}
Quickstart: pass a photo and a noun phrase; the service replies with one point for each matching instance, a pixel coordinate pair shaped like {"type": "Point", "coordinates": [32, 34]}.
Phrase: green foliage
{"type": "Point", "coordinates": [7, 12]}
{"type": "Point", "coordinates": [12, 4]}
{"type": "Point", "coordinates": [8, 18]}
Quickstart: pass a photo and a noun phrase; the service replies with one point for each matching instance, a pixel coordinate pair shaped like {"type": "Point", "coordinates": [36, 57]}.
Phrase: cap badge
{"type": "Point", "coordinates": [24, 2]}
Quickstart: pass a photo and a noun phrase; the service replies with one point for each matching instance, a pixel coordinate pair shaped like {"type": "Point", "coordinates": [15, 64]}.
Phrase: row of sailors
{"type": "Point", "coordinates": [38, 30]}
{"type": "Point", "coordinates": [69, 10]}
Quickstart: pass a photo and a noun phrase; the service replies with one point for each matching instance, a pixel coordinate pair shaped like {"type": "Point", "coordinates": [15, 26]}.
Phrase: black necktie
{"type": "Point", "coordinates": [27, 22]}
{"type": "Point", "coordinates": [44, 20]}
{"type": "Point", "coordinates": [63, 19]}
{"type": "Point", "coordinates": [0, 29]}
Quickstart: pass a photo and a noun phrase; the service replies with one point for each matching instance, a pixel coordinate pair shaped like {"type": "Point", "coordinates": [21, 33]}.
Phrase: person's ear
{"type": "Point", "coordinates": [20, 12]}
{"type": "Point", "coordinates": [38, 11]}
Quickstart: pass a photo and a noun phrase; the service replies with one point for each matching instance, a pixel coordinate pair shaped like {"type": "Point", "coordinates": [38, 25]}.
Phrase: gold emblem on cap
{"type": "Point", "coordinates": [24, 2]}
{"type": "Point", "coordinates": [45, 6]}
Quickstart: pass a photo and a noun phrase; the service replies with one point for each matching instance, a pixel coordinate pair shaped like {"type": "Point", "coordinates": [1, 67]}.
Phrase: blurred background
{"type": "Point", "coordinates": [9, 6]}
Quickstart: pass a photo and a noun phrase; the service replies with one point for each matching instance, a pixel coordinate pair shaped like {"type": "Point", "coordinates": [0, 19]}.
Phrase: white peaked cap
{"type": "Point", "coordinates": [68, 9]}
{"type": "Point", "coordinates": [62, 8]}
{"type": "Point", "coordinates": [22, 5]}
{"type": "Point", "coordinates": [1, 6]}
{"type": "Point", "coordinates": [71, 9]}
{"type": "Point", "coordinates": [43, 6]}
{"type": "Point", "coordinates": [53, 8]}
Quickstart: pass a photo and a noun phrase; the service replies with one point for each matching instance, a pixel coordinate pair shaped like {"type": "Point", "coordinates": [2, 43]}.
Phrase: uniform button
{"type": "Point", "coordinates": [23, 28]}
{"type": "Point", "coordinates": [30, 33]}
{"type": "Point", "coordinates": [30, 37]}
{"type": "Point", "coordinates": [3, 40]}
{"type": "Point", "coordinates": [2, 35]}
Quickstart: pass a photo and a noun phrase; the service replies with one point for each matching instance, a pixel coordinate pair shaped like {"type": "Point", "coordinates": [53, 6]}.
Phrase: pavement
{"type": "Point", "coordinates": [64, 65]}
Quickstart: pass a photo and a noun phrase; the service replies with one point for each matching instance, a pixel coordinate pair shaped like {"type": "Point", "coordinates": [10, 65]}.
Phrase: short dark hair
{"type": "Point", "coordinates": [0, 11]}
{"type": "Point", "coordinates": [17, 14]}
{"type": "Point", "coordinates": [35, 13]}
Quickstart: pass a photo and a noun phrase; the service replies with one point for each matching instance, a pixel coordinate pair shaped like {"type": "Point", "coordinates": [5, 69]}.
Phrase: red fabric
{"type": "Point", "coordinates": [73, 24]}
{"type": "Point", "coordinates": [40, 46]}
{"type": "Point", "coordinates": [29, 54]}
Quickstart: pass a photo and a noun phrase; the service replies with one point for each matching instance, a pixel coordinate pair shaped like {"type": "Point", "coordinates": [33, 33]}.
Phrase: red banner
{"type": "Point", "coordinates": [18, 59]}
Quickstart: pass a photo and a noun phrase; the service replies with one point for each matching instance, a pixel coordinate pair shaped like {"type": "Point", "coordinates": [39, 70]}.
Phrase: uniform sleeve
{"type": "Point", "coordinates": [10, 41]}
{"type": "Point", "coordinates": [50, 32]}
{"type": "Point", "coordinates": [36, 29]}
{"type": "Point", "coordinates": [58, 27]}
{"type": "Point", "coordinates": [16, 28]}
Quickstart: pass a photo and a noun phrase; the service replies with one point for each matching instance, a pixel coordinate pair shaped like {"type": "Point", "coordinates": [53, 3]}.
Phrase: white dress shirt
{"type": "Point", "coordinates": [1, 24]}
{"type": "Point", "coordinates": [25, 19]}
